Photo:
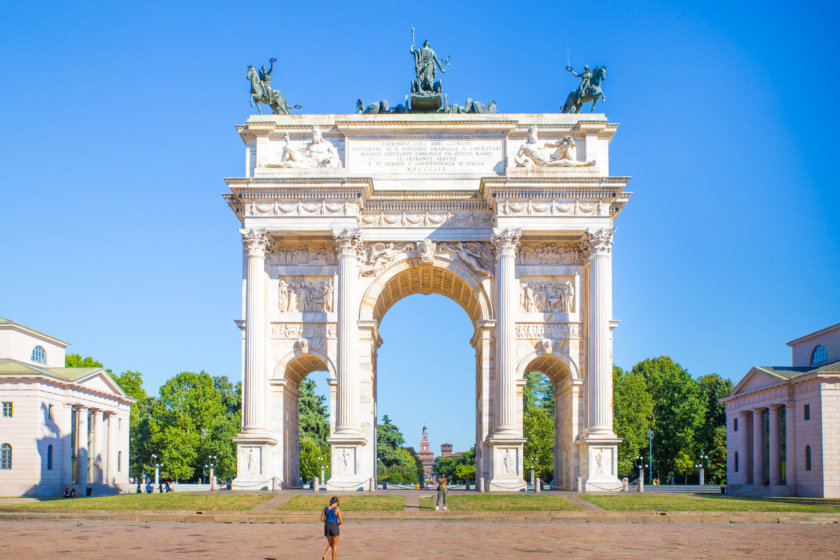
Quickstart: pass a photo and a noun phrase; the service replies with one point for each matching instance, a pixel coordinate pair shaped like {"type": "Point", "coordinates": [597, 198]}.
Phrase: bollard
{"type": "Point", "coordinates": [538, 485]}
{"type": "Point", "coordinates": [315, 485]}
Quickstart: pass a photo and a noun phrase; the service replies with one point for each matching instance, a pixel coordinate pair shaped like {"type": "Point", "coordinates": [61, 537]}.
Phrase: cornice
{"type": "Point", "coordinates": [452, 126]}
{"type": "Point", "coordinates": [298, 181]}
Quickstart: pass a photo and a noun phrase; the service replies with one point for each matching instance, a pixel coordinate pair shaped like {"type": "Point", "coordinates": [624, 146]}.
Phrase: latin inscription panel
{"type": "Point", "coordinates": [428, 154]}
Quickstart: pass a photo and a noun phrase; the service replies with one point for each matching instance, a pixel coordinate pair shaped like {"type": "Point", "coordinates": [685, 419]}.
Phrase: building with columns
{"type": "Point", "coordinates": [783, 423]}
{"type": "Point", "coordinates": [60, 427]}
{"type": "Point", "coordinates": [510, 215]}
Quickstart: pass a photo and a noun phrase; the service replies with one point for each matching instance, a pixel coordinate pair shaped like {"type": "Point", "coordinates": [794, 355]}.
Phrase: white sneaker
{"type": "Point", "coordinates": [445, 508]}
{"type": "Point", "coordinates": [437, 508]}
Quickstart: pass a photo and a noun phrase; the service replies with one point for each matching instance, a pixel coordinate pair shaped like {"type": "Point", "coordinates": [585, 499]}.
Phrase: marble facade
{"type": "Point", "coordinates": [379, 207]}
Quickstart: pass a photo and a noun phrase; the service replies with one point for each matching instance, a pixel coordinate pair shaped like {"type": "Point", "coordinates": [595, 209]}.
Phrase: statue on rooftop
{"type": "Point", "coordinates": [426, 64]}
{"type": "Point", "coordinates": [588, 90]}
{"type": "Point", "coordinates": [263, 92]}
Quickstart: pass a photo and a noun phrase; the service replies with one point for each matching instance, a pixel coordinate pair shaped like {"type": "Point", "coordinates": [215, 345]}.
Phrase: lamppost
{"type": "Point", "coordinates": [640, 464]}
{"type": "Point", "coordinates": [321, 463]}
{"type": "Point", "coordinates": [157, 467]}
{"type": "Point", "coordinates": [533, 460]}
{"type": "Point", "coordinates": [650, 454]}
{"type": "Point", "coordinates": [211, 462]}
{"type": "Point", "coordinates": [701, 466]}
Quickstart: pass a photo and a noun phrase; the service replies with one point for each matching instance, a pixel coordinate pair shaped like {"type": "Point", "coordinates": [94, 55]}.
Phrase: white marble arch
{"type": "Point", "coordinates": [449, 278]}
{"type": "Point", "coordinates": [283, 407]}
{"type": "Point", "coordinates": [569, 403]}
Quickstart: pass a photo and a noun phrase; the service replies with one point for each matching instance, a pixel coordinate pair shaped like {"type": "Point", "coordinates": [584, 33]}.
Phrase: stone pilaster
{"type": "Point", "coordinates": [790, 447]}
{"type": "Point", "coordinates": [254, 418]}
{"type": "Point", "coordinates": [758, 447]}
{"type": "Point", "coordinates": [348, 245]}
{"type": "Point", "coordinates": [775, 458]}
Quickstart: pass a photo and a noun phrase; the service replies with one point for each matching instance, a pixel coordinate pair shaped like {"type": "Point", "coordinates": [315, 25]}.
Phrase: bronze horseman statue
{"type": "Point", "coordinates": [263, 92]}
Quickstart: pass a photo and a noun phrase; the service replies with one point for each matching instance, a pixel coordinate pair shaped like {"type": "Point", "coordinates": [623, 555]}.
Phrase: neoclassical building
{"type": "Point", "coordinates": [60, 427]}
{"type": "Point", "coordinates": [783, 423]}
{"type": "Point", "coordinates": [509, 215]}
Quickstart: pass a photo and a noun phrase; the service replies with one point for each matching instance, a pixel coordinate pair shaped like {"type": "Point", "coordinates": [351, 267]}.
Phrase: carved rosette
{"type": "Point", "coordinates": [597, 243]}
{"type": "Point", "coordinates": [506, 242]}
{"type": "Point", "coordinates": [348, 243]}
{"type": "Point", "coordinates": [255, 242]}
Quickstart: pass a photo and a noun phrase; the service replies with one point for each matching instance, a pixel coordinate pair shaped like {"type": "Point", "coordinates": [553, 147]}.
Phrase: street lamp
{"type": "Point", "coordinates": [157, 467]}
{"type": "Point", "coordinates": [321, 463]}
{"type": "Point", "coordinates": [211, 464]}
{"type": "Point", "coordinates": [650, 454]}
{"type": "Point", "coordinates": [533, 460]}
{"type": "Point", "coordinates": [640, 464]}
{"type": "Point", "coordinates": [701, 466]}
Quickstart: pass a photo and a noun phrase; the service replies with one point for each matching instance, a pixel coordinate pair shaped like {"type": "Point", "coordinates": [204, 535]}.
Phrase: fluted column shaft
{"type": "Point", "coordinates": [758, 447]}
{"type": "Point", "coordinates": [597, 246]}
{"type": "Point", "coordinates": [775, 458]}
{"type": "Point", "coordinates": [254, 417]}
{"type": "Point", "coordinates": [790, 447]}
{"type": "Point", "coordinates": [348, 244]}
{"type": "Point", "coordinates": [506, 243]}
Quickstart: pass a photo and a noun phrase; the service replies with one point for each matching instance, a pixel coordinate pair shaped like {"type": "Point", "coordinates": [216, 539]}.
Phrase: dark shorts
{"type": "Point", "coordinates": [330, 529]}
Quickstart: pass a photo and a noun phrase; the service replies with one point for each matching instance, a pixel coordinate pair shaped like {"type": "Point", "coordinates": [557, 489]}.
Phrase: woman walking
{"type": "Point", "coordinates": [331, 516]}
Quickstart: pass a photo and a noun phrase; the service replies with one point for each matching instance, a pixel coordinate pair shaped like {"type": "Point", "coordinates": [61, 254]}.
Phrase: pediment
{"type": "Point", "coordinates": [754, 380]}
{"type": "Point", "coordinates": [100, 381]}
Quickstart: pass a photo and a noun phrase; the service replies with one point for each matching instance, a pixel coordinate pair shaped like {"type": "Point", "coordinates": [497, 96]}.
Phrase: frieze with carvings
{"type": "Point", "coordinates": [302, 208]}
{"type": "Point", "coordinates": [303, 330]}
{"type": "Point", "coordinates": [304, 254]}
{"type": "Point", "coordinates": [427, 219]}
{"type": "Point", "coordinates": [548, 253]}
{"type": "Point", "coordinates": [553, 208]}
{"type": "Point", "coordinates": [306, 294]}
{"type": "Point", "coordinates": [555, 331]}
{"type": "Point", "coordinates": [539, 294]}
{"type": "Point", "coordinates": [475, 256]}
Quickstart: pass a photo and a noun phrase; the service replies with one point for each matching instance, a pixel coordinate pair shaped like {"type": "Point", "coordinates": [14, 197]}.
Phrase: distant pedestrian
{"type": "Point", "coordinates": [66, 492]}
{"type": "Point", "coordinates": [167, 487]}
{"type": "Point", "coordinates": [148, 488]}
{"type": "Point", "coordinates": [441, 493]}
{"type": "Point", "coordinates": [73, 493]}
{"type": "Point", "coordinates": [331, 516]}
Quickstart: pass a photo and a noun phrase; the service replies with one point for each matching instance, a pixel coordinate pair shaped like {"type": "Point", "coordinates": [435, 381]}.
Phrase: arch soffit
{"type": "Point", "coordinates": [410, 276]}
{"type": "Point", "coordinates": [554, 365]}
{"type": "Point", "coordinates": [295, 365]}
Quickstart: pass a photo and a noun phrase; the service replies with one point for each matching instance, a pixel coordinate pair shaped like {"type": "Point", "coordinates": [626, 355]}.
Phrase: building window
{"type": "Point", "coordinates": [807, 457]}
{"type": "Point", "coordinates": [735, 426]}
{"type": "Point", "coordinates": [49, 457]}
{"type": "Point", "coordinates": [736, 461]}
{"type": "Point", "coordinates": [119, 460]}
{"type": "Point", "coordinates": [39, 355]}
{"type": "Point", "coordinates": [7, 409]}
{"type": "Point", "coordinates": [5, 456]}
{"type": "Point", "coordinates": [119, 424]}
{"type": "Point", "coordinates": [49, 412]}
{"type": "Point", "coordinates": [807, 412]}
{"type": "Point", "coordinates": [819, 355]}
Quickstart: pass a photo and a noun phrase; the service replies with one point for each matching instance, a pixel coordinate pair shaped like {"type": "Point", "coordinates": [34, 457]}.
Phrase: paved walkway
{"type": "Point", "coordinates": [581, 503]}
{"type": "Point", "coordinates": [99, 540]}
{"type": "Point", "coordinates": [275, 502]}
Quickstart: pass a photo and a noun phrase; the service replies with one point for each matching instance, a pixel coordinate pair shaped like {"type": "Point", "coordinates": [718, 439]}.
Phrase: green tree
{"type": "Point", "coordinates": [538, 393]}
{"type": "Point", "coordinates": [538, 430]}
{"type": "Point", "coordinates": [131, 382]}
{"type": "Point", "coordinates": [313, 419]}
{"type": "Point", "coordinates": [184, 420]}
{"type": "Point", "coordinates": [75, 360]}
{"type": "Point", "coordinates": [684, 465]}
{"type": "Point", "coordinates": [632, 414]}
{"type": "Point", "coordinates": [712, 438]}
{"type": "Point", "coordinates": [679, 412]}
{"type": "Point", "coordinates": [457, 469]}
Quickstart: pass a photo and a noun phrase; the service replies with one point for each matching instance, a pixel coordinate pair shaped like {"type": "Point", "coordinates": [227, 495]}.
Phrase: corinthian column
{"type": "Point", "coordinates": [597, 248]}
{"type": "Point", "coordinates": [506, 243]}
{"type": "Point", "coordinates": [254, 417]}
{"type": "Point", "coordinates": [349, 245]}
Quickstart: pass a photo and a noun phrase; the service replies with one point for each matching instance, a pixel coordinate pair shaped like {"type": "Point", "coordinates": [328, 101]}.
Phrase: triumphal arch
{"type": "Point", "coordinates": [510, 215]}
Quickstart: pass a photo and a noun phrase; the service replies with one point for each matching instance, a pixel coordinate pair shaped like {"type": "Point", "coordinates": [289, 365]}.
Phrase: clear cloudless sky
{"type": "Point", "coordinates": [117, 128]}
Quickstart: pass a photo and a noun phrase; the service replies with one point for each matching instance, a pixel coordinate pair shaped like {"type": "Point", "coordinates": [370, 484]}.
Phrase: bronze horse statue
{"type": "Point", "coordinates": [272, 98]}
{"type": "Point", "coordinates": [575, 99]}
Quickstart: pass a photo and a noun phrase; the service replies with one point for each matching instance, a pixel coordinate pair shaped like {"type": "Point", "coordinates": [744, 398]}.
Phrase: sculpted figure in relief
{"type": "Point", "coordinates": [302, 295]}
{"type": "Point", "coordinates": [540, 153]}
{"type": "Point", "coordinates": [475, 255]}
{"type": "Point", "coordinates": [319, 153]}
{"type": "Point", "coordinates": [507, 461]}
{"type": "Point", "coordinates": [547, 296]}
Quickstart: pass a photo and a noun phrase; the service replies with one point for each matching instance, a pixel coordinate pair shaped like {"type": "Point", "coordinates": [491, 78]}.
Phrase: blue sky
{"type": "Point", "coordinates": [118, 127]}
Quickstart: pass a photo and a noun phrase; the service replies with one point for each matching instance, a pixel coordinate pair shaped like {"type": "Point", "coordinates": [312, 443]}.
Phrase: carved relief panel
{"type": "Point", "coordinates": [306, 294]}
{"type": "Point", "coordinates": [315, 254]}
{"type": "Point", "coordinates": [546, 294]}
{"type": "Point", "coordinates": [548, 253]}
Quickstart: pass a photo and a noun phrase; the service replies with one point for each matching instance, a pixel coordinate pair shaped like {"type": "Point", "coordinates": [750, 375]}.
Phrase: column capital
{"type": "Point", "coordinates": [348, 242]}
{"type": "Point", "coordinates": [596, 243]}
{"type": "Point", "coordinates": [506, 241]}
{"type": "Point", "coordinates": [255, 242]}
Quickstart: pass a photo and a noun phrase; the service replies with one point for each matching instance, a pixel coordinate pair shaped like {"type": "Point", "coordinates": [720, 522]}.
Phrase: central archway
{"type": "Point", "coordinates": [449, 279]}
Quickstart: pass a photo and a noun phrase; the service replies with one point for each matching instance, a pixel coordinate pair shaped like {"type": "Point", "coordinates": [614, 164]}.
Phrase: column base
{"type": "Point", "coordinates": [598, 453]}
{"type": "Point", "coordinates": [254, 451]}
{"type": "Point", "coordinates": [351, 468]}
{"type": "Point", "coordinates": [507, 464]}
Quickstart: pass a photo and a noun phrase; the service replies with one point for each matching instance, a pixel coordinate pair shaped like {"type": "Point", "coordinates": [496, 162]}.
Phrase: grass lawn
{"type": "Point", "coordinates": [152, 502]}
{"type": "Point", "coordinates": [346, 503]}
{"type": "Point", "coordinates": [638, 502]}
{"type": "Point", "coordinates": [502, 502]}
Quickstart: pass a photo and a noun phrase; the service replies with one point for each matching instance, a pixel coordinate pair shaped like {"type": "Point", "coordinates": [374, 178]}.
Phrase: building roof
{"type": "Point", "coordinates": [14, 367]}
{"type": "Point", "coordinates": [790, 372]}
{"type": "Point", "coordinates": [8, 323]}
{"type": "Point", "coordinates": [814, 334]}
